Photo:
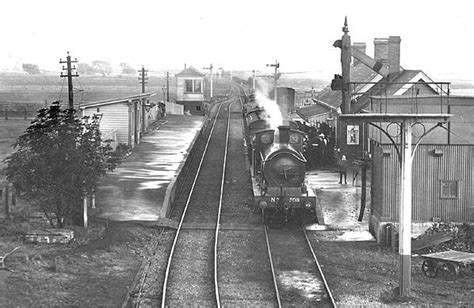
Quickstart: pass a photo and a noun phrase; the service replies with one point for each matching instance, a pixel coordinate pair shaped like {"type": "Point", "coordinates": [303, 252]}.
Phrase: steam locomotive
{"type": "Point", "coordinates": [277, 167]}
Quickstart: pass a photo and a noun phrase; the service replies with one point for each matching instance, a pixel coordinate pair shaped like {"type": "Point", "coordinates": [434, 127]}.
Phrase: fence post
{"type": "Point", "coordinates": [6, 112]}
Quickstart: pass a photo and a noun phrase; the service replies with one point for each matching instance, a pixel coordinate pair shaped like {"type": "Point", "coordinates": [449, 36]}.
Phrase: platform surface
{"type": "Point", "coordinates": [135, 190]}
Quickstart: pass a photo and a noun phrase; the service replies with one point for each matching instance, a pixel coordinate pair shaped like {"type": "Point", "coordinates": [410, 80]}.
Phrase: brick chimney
{"type": "Point", "coordinates": [360, 47]}
{"type": "Point", "coordinates": [381, 50]}
{"type": "Point", "coordinates": [394, 54]}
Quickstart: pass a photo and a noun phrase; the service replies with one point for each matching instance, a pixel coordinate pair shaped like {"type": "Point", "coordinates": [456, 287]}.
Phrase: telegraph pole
{"type": "Point", "coordinates": [210, 69]}
{"type": "Point", "coordinates": [142, 76]}
{"type": "Point", "coordinates": [167, 86]}
{"type": "Point", "coordinates": [253, 80]}
{"type": "Point", "coordinates": [275, 77]}
{"type": "Point", "coordinates": [69, 74]}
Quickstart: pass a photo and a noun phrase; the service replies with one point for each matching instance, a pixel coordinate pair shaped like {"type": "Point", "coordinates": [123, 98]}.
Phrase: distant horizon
{"type": "Point", "coordinates": [161, 72]}
{"type": "Point", "coordinates": [242, 36]}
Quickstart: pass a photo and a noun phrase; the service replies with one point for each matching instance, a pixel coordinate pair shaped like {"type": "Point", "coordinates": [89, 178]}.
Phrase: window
{"type": "Point", "coordinates": [193, 85]}
{"type": "Point", "coordinates": [198, 108]}
{"type": "Point", "coordinates": [197, 86]}
{"type": "Point", "coordinates": [189, 85]}
{"type": "Point", "coordinates": [98, 109]}
{"type": "Point", "coordinates": [449, 189]}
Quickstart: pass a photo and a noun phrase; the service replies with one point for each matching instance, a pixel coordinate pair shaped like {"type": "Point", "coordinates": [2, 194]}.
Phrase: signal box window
{"type": "Point", "coordinates": [197, 86]}
{"type": "Point", "coordinates": [449, 189]}
{"type": "Point", "coordinates": [189, 85]}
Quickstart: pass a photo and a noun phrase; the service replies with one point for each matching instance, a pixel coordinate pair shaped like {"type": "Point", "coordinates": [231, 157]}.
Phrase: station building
{"type": "Point", "coordinates": [443, 165]}
{"type": "Point", "coordinates": [123, 120]}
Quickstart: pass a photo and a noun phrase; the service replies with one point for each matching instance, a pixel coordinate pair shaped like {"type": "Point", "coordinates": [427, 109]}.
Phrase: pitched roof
{"type": "Point", "coordinates": [190, 72]}
{"type": "Point", "coordinates": [408, 77]}
{"type": "Point", "coordinates": [359, 73]}
{"type": "Point", "coordinates": [312, 110]}
{"type": "Point", "coordinates": [362, 73]}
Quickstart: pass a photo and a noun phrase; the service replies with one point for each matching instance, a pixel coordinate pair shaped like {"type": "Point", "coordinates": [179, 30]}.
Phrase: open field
{"type": "Point", "coordinates": [10, 130]}
{"type": "Point", "coordinates": [31, 92]}
{"type": "Point", "coordinates": [22, 95]}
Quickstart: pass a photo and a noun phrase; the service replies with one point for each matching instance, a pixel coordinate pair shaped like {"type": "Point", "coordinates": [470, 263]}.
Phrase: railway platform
{"type": "Point", "coordinates": [340, 204]}
{"type": "Point", "coordinates": [135, 190]}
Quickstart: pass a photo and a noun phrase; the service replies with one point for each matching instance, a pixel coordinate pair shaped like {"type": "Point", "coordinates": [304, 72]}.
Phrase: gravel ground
{"type": "Point", "coordinates": [299, 281]}
{"type": "Point", "coordinates": [244, 271]}
{"type": "Point", "coordinates": [98, 268]}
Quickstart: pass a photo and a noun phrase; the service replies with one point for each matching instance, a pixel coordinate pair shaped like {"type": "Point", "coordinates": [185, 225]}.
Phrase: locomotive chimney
{"type": "Point", "coordinates": [284, 134]}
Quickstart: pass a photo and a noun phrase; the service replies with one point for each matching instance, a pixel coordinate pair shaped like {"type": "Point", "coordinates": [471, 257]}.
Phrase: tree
{"type": "Point", "coordinates": [85, 69]}
{"type": "Point", "coordinates": [127, 69]}
{"type": "Point", "coordinates": [57, 161]}
{"type": "Point", "coordinates": [31, 69]}
{"type": "Point", "coordinates": [102, 67]}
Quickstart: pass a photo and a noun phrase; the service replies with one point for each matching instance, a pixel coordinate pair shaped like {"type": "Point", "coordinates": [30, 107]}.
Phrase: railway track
{"type": "Point", "coordinates": [297, 275]}
{"type": "Point", "coordinates": [244, 276]}
{"type": "Point", "coordinates": [218, 256]}
{"type": "Point", "coordinates": [192, 267]}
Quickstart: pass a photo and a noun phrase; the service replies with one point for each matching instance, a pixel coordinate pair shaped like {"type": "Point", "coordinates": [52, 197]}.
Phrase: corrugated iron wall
{"type": "Point", "coordinates": [450, 163]}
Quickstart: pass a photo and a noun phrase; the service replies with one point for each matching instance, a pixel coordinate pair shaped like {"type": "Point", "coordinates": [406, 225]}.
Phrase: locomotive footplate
{"type": "Point", "coordinates": [290, 200]}
{"type": "Point", "coordinates": [286, 202]}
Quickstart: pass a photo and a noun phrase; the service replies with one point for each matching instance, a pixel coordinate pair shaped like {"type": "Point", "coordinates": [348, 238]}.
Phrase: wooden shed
{"type": "Point", "coordinates": [190, 90]}
{"type": "Point", "coordinates": [123, 120]}
{"type": "Point", "coordinates": [443, 163]}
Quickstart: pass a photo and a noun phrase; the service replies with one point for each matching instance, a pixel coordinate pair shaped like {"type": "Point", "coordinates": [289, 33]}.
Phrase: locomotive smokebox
{"type": "Point", "coordinates": [284, 134]}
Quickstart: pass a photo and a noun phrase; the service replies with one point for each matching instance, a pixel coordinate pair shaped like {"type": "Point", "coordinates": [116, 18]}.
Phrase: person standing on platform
{"type": "Point", "coordinates": [342, 163]}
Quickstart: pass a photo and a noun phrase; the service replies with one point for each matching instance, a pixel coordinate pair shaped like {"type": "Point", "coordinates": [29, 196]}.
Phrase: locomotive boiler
{"type": "Point", "coordinates": [278, 169]}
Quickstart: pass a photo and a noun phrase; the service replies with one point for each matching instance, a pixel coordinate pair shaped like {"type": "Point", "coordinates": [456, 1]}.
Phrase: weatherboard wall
{"type": "Point", "coordinates": [114, 117]}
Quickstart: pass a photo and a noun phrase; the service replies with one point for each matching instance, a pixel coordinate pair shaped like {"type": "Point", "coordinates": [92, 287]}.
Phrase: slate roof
{"type": "Point", "coordinates": [362, 73]}
{"type": "Point", "coordinates": [190, 72]}
{"type": "Point", "coordinates": [407, 76]}
{"type": "Point", "coordinates": [312, 110]}
{"type": "Point", "coordinates": [359, 73]}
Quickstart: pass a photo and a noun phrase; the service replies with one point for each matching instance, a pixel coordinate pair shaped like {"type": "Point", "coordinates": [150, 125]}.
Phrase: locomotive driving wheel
{"type": "Point", "coordinates": [430, 268]}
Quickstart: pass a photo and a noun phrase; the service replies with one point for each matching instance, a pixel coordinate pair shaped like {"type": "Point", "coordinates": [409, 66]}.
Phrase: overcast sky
{"type": "Point", "coordinates": [437, 36]}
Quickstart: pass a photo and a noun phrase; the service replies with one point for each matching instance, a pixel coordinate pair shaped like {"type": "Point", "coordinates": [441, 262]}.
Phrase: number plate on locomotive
{"type": "Point", "coordinates": [294, 199]}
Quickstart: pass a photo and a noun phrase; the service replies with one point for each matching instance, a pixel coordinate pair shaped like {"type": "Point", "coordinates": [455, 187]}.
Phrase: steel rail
{"type": "Point", "coordinates": [216, 238]}
{"type": "Point", "coordinates": [180, 225]}
{"type": "Point", "coordinates": [326, 286]}
{"type": "Point", "coordinates": [275, 282]}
